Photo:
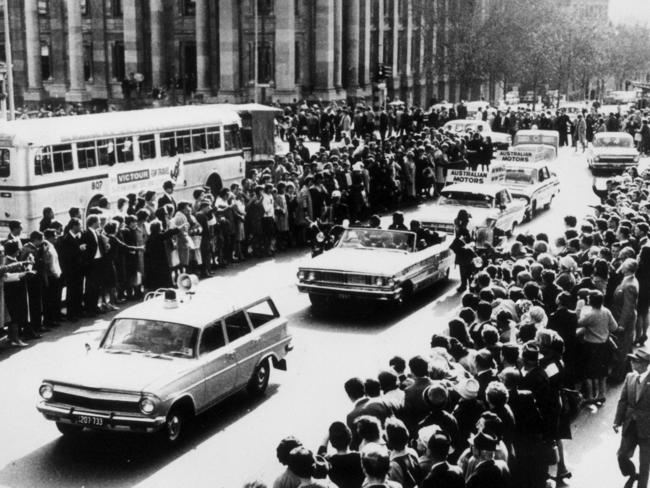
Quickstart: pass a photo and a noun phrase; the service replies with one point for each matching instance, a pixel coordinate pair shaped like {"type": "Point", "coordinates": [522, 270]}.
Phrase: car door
{"type": "Point", "coordinates": [269, 329]}
{"type": "Point", "coordinates": [219, 363]}
{"type": "Point", "coordinates": [245, 344]}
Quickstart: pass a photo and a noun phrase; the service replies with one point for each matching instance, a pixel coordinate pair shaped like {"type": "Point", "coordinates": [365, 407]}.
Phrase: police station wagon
{"type": "Point", "coordinates": [165, 360]}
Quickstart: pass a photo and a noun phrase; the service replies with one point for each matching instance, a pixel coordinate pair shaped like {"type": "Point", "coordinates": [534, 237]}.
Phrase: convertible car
{"type": "Point", "coordinates": [376, 264]}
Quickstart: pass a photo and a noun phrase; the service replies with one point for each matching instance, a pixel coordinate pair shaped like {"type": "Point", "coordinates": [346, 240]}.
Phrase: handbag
{"type": "Point", "coordinates": [571, 401]}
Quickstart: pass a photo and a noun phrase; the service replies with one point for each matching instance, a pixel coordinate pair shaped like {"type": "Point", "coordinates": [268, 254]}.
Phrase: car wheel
{"type": "Point", "coordinates": [175, 426]}
{"type": "Point", "coordinates": [260, 379]}
{"type": "Point", "coordinates": [69, 430]}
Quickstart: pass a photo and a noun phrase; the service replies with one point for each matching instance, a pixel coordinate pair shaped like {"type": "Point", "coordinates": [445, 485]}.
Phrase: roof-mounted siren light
{"type": "Point", "coordinates": [187, 283]}
{"type": "Point", "coordinates": [171, 300]}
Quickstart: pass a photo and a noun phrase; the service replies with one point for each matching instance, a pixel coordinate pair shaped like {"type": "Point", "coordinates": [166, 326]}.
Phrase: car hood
{"type": "Point", "coordinates": [615, 151]}
{"type": "Point", "coordinates": [446, 214]}
{"type": "Point", "coordinates": [123, 372]}
{"type": "Point", "coordinates": [378, 262]}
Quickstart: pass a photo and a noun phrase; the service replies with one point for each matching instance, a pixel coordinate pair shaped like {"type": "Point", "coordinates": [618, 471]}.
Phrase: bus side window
{"type": "Point", "coordinates": [124, 149]}
{"type": "Point", "coordinates": [62, 158]}
{"type": "Point", "coordinates": [43, 161]}
{"type": "Point", "coordinates": [198, 139]}
{"type": "Point", "coordinates": [86, 154]}
{"type": "Point", "coordinates": [167, 144]}
{"type": "Point", "coordinates": [106, 152]}
{"type": "Point", "coordinates": [214, 137]}
{"type": "Point", "coordinates": [232, 141]}
{"type": "Point", "coordinates": [5, 168]}
{"type": "Point", "coordinates": [147, 145]}
{"type": "Point", "coordinates": [183, 142]}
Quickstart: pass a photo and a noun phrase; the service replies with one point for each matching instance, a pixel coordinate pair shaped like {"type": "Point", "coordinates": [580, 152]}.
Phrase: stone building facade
{"type": "Point", "coordinates": [82, 50]}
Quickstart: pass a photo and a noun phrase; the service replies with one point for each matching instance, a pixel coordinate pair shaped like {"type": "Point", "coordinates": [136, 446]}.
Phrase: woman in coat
{"type": "Point", "coordinates": [157, 272]}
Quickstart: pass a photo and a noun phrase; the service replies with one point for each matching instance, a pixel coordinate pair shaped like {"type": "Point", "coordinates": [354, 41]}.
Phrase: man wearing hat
{"type": "Point", "coordinates": [633, 415]}
{"type": "Point", "coordinates": [442, 473]}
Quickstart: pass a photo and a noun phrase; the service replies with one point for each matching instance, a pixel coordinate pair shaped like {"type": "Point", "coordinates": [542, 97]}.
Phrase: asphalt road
{"type": "Point", "coordinates": [235, 442]}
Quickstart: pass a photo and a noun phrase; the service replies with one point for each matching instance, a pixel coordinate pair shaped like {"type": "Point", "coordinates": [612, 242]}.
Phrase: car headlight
{"type": "Point", "coordinates": [301, 275]}
{"type": "Point", "coordinates": [391, 282]}
{"type": "Point", "coordinates": [311, 276]}
{"type": "Point", "coordinates": [46, 391]}
{"type": "Point", "coordinates": [320, 237]}
{"type": "Point", "coordinates": [147, 405]}
{"type": "Point", "coordinates": [379, 281]}
{"type": "Point", "coordinates": [636, 158]}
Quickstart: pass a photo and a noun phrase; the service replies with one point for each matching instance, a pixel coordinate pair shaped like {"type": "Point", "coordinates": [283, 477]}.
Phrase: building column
{"type": "Point", "coordinates": [352, 32]}
{"type": "Point", "coordinates": [324, 40]}
{"type": "Point", "coordinates": [395, 85]}
{"type": "Point", "coordinates": [133, 45]}
{"type": "Point", "coordinates": [158, 79]}
{"type": "Point", "coordinates": [229, 86]}
{"type": "Point", "coordinates": [202, 55]}
{"type": "Point", "coordinates": [33, 53]}
{"type": "Point", "coordinates": [366, 78]}
{"type": "Point", "coordinates": [77, 89]}
{"type": "Point", "coordinates": [407, 78]}
{"type": "Point", "coordinates": [285, 50]}
{"type": "Point", "coordinates": [338, 44]}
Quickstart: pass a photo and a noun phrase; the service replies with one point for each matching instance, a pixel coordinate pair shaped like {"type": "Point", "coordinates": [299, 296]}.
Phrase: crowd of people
{"type": "Point", "coordinates": [537, 336]}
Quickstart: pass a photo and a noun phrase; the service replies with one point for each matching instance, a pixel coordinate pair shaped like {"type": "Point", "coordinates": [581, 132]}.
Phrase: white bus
{"type": "Point", "coordinates": [74, 161]}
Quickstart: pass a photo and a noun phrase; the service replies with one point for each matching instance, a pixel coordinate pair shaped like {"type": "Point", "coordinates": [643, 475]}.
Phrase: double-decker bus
{"type": "Point", "coordinates": [74, 161]}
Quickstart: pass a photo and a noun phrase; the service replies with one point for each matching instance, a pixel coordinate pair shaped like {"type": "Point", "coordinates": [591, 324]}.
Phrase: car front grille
{"type": "Point", "coordinates": [343, 278]}
{"type": "Point", "coordinates": [615, 159]}
{"type": "Point", "coordinates": [92, 400]}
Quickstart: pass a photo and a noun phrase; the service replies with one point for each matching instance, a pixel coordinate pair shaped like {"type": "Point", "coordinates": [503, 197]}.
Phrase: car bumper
{"type": "Point", "coordinates": [344, 292]}
{"type": "Point", "coordinates": [100, 420]}
{"type": "Point", "coordinates": [613, 165]}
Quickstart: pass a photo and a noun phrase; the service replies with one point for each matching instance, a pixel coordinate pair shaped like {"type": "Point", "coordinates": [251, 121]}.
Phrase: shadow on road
{"type": "Point", "coordinates": [111, 459]}
{"type": "Point", "coordinates": [372, 317]}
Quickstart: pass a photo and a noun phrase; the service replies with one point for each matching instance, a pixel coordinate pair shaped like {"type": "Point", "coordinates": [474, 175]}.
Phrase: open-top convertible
{"type": "Point", "coordinates": [376, 264]}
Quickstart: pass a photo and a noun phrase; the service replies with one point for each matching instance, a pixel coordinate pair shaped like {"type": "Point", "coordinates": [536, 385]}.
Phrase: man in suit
{"type": "Point", "coordinates": [71, 259]}
{"type": "Point", "coordinates": [633, 416]}
{"type": "Point", "coordinates": [168, 197]}
{"type": "Point", "coordinates": [415, 406]}
{"type": "Point", "coordinates": [15, 229]}
{"type": "Point", "coordinates": [92, 258]}
{"type": "Point", "coordinates": [442, 473]}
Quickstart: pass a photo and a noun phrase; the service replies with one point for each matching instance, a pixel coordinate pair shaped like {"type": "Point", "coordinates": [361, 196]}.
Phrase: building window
{"type": "Point", "coordinates": [85, 7]}
{"type": "Point", "coordinates": [116, 8]}
{"type": "Point", "coordinates": [264, 63]}
{"type": "Point", "coordinates": [43, 7]}
{"type": "Point", "coordinates": [264, 7]}
{"type": "Point", "coordinates": [188, 7]}
{"type": "Point", "coordinates": [118, 61]}
{"type": "Point", "coordinates": [46, 72]}
{"type": "Point", "coordinates": [88, 61]}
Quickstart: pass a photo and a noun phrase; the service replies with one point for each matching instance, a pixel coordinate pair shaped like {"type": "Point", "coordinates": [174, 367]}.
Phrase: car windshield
{"type": "Point", "coordinates": [150, 337]}
{"type": "Point", "coordinates": [466, 198]}
{"type": "Point", "coordinates": [519, 175]}
{"type": "Point", "coordinates": [463, 127]}
{"type": "Point", "coordinates": [613, 141]}
{"type": "Point", "coordinates": [377, 239]}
